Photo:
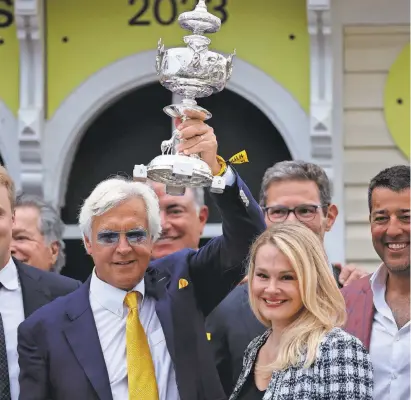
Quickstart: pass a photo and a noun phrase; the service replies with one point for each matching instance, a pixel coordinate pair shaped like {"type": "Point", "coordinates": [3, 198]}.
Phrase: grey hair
{"type": "Point", "coordinates": [297, 171]}
{"type": "Point", "coordinates": [110, 193]}
{"type": "Point", "coordinates": [198, 195]}
{"type": "Point", "coordinates": [50, 225]}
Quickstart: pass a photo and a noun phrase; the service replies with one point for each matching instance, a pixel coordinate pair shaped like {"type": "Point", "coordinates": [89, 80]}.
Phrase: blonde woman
{"type": "Point", "coordinates": [304, 354]}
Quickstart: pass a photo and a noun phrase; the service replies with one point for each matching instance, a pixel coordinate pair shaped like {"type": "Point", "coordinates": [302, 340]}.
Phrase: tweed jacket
{"type": "Point", "coordinates": [341, 371]}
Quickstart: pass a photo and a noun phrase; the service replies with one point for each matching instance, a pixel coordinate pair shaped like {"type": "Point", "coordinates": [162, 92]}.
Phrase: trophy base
{"type": "Point", "coordinates": [179, 171]}
{"type": "Point", "coordinates": [177, 110]}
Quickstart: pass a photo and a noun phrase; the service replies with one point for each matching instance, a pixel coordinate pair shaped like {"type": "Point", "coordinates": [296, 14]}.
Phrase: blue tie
{"type": "Point", "coordinates": [4, 368]}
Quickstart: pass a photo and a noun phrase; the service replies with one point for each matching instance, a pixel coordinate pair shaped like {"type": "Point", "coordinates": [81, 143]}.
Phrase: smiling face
{"type": "Point", "coordinates": [28, 244]}
{"type": "Point", "coordinates": [121, 264]}
{"type": "Point", "coordinates": [275, 287]}
{"type": "Point", "coordinates": [390, 228]}
{"type": "Point", "coordinates": [181, 222]}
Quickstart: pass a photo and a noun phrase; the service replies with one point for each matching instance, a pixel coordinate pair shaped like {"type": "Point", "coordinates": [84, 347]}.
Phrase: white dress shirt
{"type": "Point", "coordinates": [12, 313]}
{"type": "Point", "coordinates": [110, 314]}
{"type": "Point", "coordinates": [389, 347]}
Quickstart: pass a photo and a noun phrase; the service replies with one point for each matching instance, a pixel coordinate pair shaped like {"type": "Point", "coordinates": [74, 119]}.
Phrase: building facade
{"type": "Point", "coordinates": [319, 80]}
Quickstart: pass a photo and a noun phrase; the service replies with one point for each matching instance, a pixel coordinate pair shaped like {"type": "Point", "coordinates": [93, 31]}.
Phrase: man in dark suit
{"type": "Point", "coordinates": [378, 305]}
{"type": "Point", "coordinates": [84, 345]}
{"type": "Point", "coordinates": [23, 290]}
{"type": "Point", "coordinates": [291, 190]}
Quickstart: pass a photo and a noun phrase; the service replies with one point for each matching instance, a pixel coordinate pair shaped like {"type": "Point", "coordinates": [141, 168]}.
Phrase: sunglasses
{"type": "Point", "coordinates": [134, 237]}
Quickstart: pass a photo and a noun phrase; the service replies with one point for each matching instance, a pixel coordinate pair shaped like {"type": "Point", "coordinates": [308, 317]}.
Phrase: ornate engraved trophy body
{"type": "Point", "coordinates": [191, 72]}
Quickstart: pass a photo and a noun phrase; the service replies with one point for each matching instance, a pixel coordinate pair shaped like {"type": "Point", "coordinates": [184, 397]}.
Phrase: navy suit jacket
{"type": "Point", "coordinates": [60, 355]}
{"type": "Point", "coordinates": [40, 287]}
{"type": "Point", "coordinates": [232, 326]}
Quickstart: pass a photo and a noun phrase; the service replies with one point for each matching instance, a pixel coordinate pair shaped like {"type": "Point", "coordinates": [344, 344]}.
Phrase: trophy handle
{"type": "Point", "coordinates": [178, 111]}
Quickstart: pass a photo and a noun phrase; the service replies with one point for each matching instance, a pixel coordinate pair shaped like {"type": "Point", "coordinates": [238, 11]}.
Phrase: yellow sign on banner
{"type": "Point", "coordinates": [84, 36]}
{"type": "Point", "coordinates": [9, 57]}
{"type": "Point", "coordinates": [397, 101]}
{"type": "Point", "coordinates": [239, 158]}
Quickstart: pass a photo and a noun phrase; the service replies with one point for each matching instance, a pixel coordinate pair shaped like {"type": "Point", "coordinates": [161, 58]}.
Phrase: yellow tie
{"type": "Point", "coordinates": [140, 368]}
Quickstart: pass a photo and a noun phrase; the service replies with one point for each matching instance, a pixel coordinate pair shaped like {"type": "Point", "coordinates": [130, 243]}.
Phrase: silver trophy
{"type": "Point", "coordinates": [191, 72]}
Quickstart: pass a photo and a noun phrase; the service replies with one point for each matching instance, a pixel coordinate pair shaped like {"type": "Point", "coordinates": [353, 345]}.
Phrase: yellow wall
{"type": "Point", "coordinates": [98, 33]}
{"type": "Point", "coordinates": [9, 59]}
{"type": "Point", "coordinates": [397, 101]}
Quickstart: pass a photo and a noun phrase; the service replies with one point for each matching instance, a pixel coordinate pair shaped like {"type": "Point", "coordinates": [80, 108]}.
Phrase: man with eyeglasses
{"type": "Point", "coordinates": [292, 191]}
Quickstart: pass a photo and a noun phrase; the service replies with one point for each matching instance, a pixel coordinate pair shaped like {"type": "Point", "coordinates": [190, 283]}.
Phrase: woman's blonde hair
{"type": "Point", "coordinates": [324, 306]}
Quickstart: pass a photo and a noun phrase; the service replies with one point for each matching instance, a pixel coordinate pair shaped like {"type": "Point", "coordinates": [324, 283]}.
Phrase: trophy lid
{"type": "Point", "coordinates": [199, 20]}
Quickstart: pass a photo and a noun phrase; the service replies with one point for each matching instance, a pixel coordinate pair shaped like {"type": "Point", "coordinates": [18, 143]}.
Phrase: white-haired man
{"type": "Point", "coordinates": [121, 336]}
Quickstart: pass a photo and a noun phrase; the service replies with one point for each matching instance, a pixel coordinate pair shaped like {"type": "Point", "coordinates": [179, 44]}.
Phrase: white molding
{"type": "Point", "coordinates": [30, 32]}
{"type": "Point", "coordinates": [321, 79]}
{"type": "Point", "coordinates": [326, 147]}
{"type": "Point", "coordinates": [9, 146]}
{"type": "Point", "coordinates": [335, 240]}
{"type": "Point", "coordinates": [372, 12]}
{"type": "Point", "coordinates": [210, 231]}
{"type": "Point", "coordinates": [66, 127]}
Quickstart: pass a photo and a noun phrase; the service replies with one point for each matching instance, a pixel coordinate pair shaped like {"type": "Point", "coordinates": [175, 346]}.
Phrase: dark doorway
{"type": "Point", "coordinates": [130, 132]}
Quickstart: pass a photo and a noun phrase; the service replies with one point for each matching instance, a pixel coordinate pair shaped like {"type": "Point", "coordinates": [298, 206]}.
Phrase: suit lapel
{"type": "Point", "coordinates": [181, 340]}
{"type": "Point", "coordinates": [35, 294]}
{"type": "Point", "coordinates": [360, 310]}
{"type": "Point", "coordinates": [81, 334]}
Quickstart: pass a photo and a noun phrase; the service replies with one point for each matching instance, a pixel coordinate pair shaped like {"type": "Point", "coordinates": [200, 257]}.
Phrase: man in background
{"type": "Point", "coordinates": [182, 220]}
{"type": "Point", "coordinates": [38, 234]}
{"type": "Point", "coordinates": [378, 305]}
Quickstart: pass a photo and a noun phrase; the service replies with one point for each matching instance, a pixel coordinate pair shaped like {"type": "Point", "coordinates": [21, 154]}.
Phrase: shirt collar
{"type": "Point", "coordinates": [9, 276]}
{"type": "Point", "coordinates": [112, 298]}
{"type": "Point", "coordinates": [378, 279]}
{"type": "Point", "coordinates": [378, 283]}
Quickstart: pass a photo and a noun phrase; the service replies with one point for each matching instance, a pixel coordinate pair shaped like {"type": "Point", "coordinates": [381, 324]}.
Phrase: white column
{"type": "Point", "coordinates": [30, 32]}
{"type": "Point", "coordinates": [324, 145]}
{"type": "Point", "coordinates": [321, 79]}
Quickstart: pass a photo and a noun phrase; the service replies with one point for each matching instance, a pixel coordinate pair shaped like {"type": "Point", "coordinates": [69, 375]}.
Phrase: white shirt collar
{"type": "Point", "coordinates": [378, 279]}
{"type": "Point", "coordinates": [112, 298]}
{"type": "Point", "coordinates": [9, 276]}
{"type": "Point", "coordinates": [378, 283]}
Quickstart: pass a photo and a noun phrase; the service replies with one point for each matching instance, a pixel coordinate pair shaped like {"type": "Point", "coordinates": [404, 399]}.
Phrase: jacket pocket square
{"type": "Point", "coordinates": [182, 283]}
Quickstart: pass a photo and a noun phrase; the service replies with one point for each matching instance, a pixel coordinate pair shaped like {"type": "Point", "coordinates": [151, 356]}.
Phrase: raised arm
{"type": "Point", "coordinates": [218, 266]}
{"type": "Point", "coordinates": [345, 371]}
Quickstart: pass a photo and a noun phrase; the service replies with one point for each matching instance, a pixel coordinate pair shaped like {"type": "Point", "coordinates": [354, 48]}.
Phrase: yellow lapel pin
{"type": "Point", "coordinates": [182, 283]}
{"type": "Point", "coordinates": [208, 335]}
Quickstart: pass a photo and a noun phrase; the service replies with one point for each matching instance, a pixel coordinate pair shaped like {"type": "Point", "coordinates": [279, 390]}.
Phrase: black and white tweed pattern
{"type": "Point", "coordinates": [342, 371]}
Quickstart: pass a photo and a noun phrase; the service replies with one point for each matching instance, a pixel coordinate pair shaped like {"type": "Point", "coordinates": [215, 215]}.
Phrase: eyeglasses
{"type": "Point", "coordinates": [303, 212]}
{"type": "Point", "coordinates": [134, 237]}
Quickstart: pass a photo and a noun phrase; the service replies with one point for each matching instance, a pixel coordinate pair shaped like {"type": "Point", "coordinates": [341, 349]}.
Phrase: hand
{"type": "Point", "coordinates": [350, 273]}
{"type": "Point", "coordinates": [198, 137]}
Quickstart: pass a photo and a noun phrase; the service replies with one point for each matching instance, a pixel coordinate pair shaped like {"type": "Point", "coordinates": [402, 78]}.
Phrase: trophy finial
{"type": "Point", "coordinates": [201, 6]}
{"type": "Point", "coordinates": [199, 20]}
